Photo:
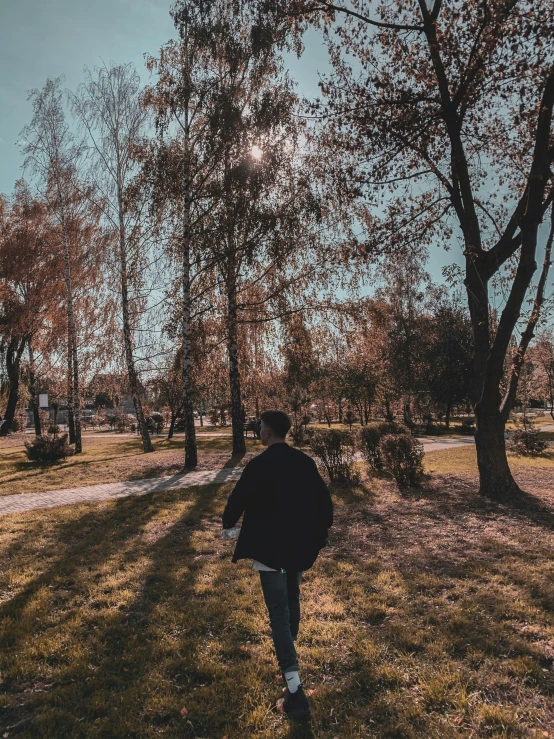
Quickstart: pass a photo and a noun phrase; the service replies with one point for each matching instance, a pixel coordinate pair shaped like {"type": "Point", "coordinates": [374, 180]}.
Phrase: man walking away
{"type": "Point", "coordinates": [287, 513]}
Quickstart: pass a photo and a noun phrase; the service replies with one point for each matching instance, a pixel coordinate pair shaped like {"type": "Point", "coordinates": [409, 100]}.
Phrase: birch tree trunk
{"type": "Point", "coordinates": [191, 454]}
{"type": "Point", "coordinates": [127, 336]}
{"type": "Point", "coordinates": [239, 444]}
{"type": "Point", "coordinates": [72, 348]}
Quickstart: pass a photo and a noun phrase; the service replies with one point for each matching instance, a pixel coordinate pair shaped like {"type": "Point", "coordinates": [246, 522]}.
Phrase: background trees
{"type": "Point", "coordinates": [109, 109]}
{"type": "Point", "coordinates": [51, 153]}
{"type": "Point", "coordinates": [544, 358]}
{"type": "Point", "coordinates": [449, 355]}
{"type": "Point", "coordinates": [31, 307]}
{"type": "Point", "coordinates": [278, 252]}
{"type": "Point", "coordinates": [439, 111]}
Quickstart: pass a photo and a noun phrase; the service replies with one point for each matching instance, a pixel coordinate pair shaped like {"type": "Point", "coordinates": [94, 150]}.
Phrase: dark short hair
{"type": "Point", "coordinates": [278, 422]}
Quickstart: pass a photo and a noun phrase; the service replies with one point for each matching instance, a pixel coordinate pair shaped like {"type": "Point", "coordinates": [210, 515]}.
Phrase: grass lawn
{"type": "Point", "coordinates": [430, 615]}
{"type": "Point", "coordinates": [464, 460]}
{"type": "Point", "coordinates": [106, 459]}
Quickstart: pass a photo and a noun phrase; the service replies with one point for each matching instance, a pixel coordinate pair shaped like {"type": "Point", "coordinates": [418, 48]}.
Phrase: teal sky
{"type": "Point", "coordinates": [48, 38]}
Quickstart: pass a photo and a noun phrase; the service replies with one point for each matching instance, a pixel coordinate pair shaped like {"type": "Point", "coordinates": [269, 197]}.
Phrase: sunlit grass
{"type": "Point", "coordinates": [427, 617]}
{"type": "Point", "coordinates": [464, 460]}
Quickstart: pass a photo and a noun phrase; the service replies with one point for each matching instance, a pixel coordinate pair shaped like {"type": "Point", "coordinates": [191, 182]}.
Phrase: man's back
{"type": "Point", "coordinates": [287, 509]}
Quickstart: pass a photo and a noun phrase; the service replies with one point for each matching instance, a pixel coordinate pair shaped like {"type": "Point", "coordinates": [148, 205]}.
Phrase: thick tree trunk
{"type": "Point", "coordinates": [496, 479]}
{"type": "Point", "coordinates": [72, 332]}
{"type": "Point", "coordinates": [14, 351]}
{"type": "Point", "coordinates": [33, 391]}
{"type": "Point", "coordinates": [191, 452]}
{"type": "Point", "coordinates": [239, 445]}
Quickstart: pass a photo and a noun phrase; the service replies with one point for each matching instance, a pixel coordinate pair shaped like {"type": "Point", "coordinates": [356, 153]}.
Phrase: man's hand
{"type": "Point", "coordinates": [230, 533]}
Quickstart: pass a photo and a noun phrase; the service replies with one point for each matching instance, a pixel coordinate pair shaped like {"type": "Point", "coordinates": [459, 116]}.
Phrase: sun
{"type": "Point", "coordinates": [257, 153]}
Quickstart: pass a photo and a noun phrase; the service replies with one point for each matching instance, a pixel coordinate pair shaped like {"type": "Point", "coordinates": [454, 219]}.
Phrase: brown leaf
{"type": "Point", "coordinates": [183, 711]}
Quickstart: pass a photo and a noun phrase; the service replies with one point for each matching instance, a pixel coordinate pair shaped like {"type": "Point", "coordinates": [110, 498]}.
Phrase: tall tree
{"type": "Point", "coordinates": [253, 229]}
{"type": "Point", "coordinates": [177, 167]}
{"type": "Point", "coordinates": [406, 288]}
{"type": "Point", "coordinates": [52, 153]}
{"type": "Point", "coordinates": [449, 355]}
{"type": "Point", "coordinates": [109, 107]}
{"type": "Point", "coordinates": [31, 312]}
{"type": "Point", "coordinates": [544, 357]}
{"type": "Point", "coordinates": [442, 110]}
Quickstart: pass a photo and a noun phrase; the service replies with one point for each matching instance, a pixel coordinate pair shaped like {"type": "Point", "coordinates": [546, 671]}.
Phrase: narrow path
{"type": "Point", "coordinates": [106, 491]}
{"type": "Point", "coordinates": [433, 445]}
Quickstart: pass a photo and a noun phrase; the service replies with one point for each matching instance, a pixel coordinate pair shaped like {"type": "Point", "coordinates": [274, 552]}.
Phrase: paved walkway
{"type": "Point", "coordinates": [433, 445]}
{"type": "Point", "coordinates": [107, 491]}
{"type": "Point", "coordinates": [50, 499]}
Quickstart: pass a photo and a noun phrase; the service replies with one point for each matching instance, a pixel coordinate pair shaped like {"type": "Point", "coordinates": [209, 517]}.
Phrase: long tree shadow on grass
{"type": "Point", "coordinates": [456, 575]}
{"type": "Point", "coordinates": [455, 495]}
{"type": "Point", "coordinates": [87, 544]}
{"type": "Point", "coordinates": [124, 670]}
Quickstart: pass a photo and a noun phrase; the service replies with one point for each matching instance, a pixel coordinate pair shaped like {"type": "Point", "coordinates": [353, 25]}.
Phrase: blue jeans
{"type": "Point", "coordinates": [282, 597]}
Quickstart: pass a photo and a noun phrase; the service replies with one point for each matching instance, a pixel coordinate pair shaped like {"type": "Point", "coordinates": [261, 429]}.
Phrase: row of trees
{"type": "Point", "coordinates": [214, 220]}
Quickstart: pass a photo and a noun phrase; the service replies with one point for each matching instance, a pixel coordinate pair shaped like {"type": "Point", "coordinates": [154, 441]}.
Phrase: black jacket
{"type": "Point", "coordinates": [287, 510]}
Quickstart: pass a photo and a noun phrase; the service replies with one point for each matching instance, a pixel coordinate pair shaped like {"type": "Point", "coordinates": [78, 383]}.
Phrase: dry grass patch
{"type": "Point", "coordinates": [107, 459]}
{"type": "Point", "coordinates": [429, 616]}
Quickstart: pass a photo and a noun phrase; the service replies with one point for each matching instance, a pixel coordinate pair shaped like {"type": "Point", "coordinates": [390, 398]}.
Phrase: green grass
{"type": "Point", "coordinates": [429, 616]}
{"type": "Point", "coordinates": [110, 459]}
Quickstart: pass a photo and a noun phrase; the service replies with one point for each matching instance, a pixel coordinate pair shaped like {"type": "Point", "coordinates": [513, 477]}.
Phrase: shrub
{"type": "Point", "coordinates": [335, 450]}
{"type": "Point", "coordinates": [301, 436]}
{"type": "Point", "coordinates": [527, 443]}
{"type": "Point", "coordinates": [15, 427]}
{"type": "Point", "coordinates": [53, 429]}
{"type": "Point", "coordinates": [48, 449]}
{"type": "Point", "coordinates": [370, 436]}
{"type": "Point", "coordinates": [98, 420]}
{"type": "Point", "coordinates": [467, 427]}
{"type": "Point", "coordinates": [402, 456]}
